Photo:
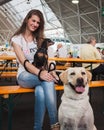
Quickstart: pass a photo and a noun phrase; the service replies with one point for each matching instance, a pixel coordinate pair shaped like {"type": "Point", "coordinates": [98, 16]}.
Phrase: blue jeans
{"type": "Point", "coordinates": [45, 98]}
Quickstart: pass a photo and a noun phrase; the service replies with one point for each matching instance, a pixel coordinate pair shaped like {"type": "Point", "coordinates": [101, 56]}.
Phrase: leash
{"type": "Point", "coordinates": [52, 66]}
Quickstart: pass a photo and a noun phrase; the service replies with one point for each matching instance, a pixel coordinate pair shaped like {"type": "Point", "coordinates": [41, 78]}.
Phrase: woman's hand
{"type": "Point", "coordinates": [44, 75]}
{"type": "Point", "coordinates": [53, 73]}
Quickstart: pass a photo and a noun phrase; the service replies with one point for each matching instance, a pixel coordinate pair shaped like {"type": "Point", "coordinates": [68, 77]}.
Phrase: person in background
{"type": "Point", "coordinates": [59, 45]}
{"type": "Point", "coordinates": [98, 48]}
{"type": "Point", "coordinates": [102, 54]}
{"type": "Point", "coordinates": [89, 52]}
{"type": "Point", "coordinates": [25, 43]}
{"type": "Point", "coordinates": [70, 55]}
{"type": "Point", "coordinates": [54, 52]}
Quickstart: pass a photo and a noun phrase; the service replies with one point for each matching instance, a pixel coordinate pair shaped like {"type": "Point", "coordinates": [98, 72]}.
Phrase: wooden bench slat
{"type": "Point", "coordinates": [14, 89]}
{"type": "Point", "coordinates": [60, 67]}
{"type": "Point", "coordinates": [9, 68]}
{"type": "Point", "coordinates": [99, 83]}
{"type": "Point", "coordinates": [17, 89]}
{"type": "Point", "coordinates": [8, 74]}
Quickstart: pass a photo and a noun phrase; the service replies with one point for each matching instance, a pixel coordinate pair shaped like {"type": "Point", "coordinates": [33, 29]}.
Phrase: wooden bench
{"type": "Point", "coordinates": [9, 91]}
{"type": "Point", "coordinates": [8, 74]}
{"type": "Point", "coordinates": [99, 83]}
{"type": "Point", "coordinates": [8, 68]}
{"type": "Point", "coordinates": [13, 89]}
{"type": "Point", "coordinates": [59, 67]}
{"type": "Point", "coordinates": [11, 72]}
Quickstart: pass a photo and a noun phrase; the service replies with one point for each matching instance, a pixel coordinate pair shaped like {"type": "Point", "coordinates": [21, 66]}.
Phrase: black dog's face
{"type": "Point", "coordinates": [46, 43]}
{"type": "Point", "coordinates": [41, 56]}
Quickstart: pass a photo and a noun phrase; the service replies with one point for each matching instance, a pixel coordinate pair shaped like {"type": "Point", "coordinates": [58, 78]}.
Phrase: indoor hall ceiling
{"type": "Point", "coordinates": [77, 20]}
{"type": "Point", "coordinates": [4, 1]}
{"type": "Point", "coordinates": [13, 12]}
{"type": "Point", "coordinates": [80, 20]}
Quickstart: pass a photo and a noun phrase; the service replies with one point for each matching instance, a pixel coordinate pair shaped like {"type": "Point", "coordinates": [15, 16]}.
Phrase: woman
{"type": "Point", "coordinates": [25, 43]}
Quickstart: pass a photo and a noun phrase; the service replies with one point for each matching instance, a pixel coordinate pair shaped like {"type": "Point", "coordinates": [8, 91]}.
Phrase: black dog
{"type": "Point", "coordinates": [41, 56]}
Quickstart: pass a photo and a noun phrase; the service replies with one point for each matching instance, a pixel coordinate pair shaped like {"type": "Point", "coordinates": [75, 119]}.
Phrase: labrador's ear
{"type": "Point", "coordinates": [89, 75]}
{"type": "Point", "coordinates": [64, 76]}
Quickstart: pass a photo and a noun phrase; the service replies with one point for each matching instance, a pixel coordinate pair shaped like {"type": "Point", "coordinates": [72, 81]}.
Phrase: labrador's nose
{"type": "Point", "coordinates": [80, 81]}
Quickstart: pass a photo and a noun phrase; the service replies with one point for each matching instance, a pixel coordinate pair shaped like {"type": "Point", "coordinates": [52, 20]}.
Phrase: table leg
{"type": "Point", "coordinates": [90, 88]}
{"type": "Point", "coordinates": [1, 111]}
{"type": "Point", "coordinates": [10, 111]}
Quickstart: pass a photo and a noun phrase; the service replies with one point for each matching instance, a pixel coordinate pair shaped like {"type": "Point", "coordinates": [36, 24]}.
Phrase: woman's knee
{"type": "Point", "coordinates": [39, 92]}
{"type": "Point", "coordinates": [28, 80]}
{"type": "Point", "coordinates": [48, 86]}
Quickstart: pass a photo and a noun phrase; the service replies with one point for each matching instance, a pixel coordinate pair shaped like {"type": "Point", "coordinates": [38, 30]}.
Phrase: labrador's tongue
{"type": "Point", "coordinates": [80, 89]}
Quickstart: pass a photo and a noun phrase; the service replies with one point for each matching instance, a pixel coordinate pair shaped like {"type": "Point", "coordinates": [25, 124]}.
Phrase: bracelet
{"type": "Point", "coordinates": [24, 64]}
{"type": "Point", "coordinates": [39, 74]}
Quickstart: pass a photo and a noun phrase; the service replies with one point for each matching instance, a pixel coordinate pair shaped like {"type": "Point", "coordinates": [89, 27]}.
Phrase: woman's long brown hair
{"type": "Point", "coordinates": [39, 33]}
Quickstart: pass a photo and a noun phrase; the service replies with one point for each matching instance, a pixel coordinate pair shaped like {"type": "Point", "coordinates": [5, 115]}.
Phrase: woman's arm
{"type": "Point", "coordinates": [44, 75]}
{"type": "Point", "coordinates": [97, 54]}
{"type": "Point", "coordinates": [20, 55]}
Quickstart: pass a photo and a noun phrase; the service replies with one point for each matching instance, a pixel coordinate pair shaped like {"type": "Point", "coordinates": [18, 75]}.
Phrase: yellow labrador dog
{"type": "Point", "coordinates": [75, 111]}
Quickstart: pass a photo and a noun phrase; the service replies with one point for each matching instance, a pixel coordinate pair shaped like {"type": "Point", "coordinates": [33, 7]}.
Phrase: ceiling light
{"type": "Point", "coordinates": [75, 1]}
{"type": "Point", "coordinates": [28, 1]}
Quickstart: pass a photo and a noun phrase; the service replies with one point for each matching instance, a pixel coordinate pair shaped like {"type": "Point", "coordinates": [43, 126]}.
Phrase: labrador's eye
{"type": "Point", "coordinates": [73, 73]}
{"type": "Point", "coordinates": [83, 73]}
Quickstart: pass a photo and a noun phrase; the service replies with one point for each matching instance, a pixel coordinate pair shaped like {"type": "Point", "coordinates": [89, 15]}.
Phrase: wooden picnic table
{"type": "Point", "coordinates": [77, 60]}
{"type": "Point", "coordinates": [7, 57]}
{"type": "Point", "coordinates": [73, 60]}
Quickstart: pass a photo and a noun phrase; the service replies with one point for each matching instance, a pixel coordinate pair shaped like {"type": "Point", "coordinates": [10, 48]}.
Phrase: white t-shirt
{"type": "Point", "coordinates": [29, 49]}
{"type": "Point", "coordinates": [87, 51]}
